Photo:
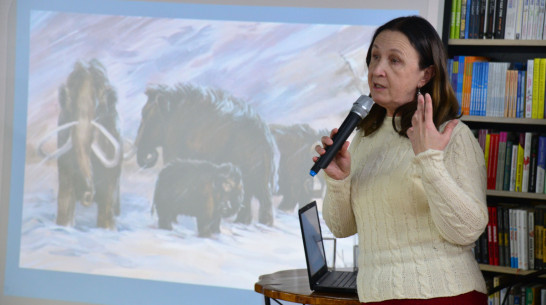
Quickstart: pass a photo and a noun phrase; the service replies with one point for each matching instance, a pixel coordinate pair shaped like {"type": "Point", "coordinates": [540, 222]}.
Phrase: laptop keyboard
{"type": "Point", "coordinates": [346, 279]}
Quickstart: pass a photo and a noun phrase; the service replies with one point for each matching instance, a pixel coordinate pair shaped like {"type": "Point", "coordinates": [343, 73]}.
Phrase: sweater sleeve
{"type": "Point", "coordinates": [455, 181]}
{"type": "Point", "coordinates": [336, 209]}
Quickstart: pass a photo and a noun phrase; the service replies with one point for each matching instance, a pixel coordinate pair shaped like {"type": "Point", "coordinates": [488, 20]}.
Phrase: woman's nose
{"type": "Point", "coordinates": [378, 68]}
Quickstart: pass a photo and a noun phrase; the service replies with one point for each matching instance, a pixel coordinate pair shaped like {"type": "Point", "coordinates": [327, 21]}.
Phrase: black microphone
{"type": "Point", "coordinates": [359, 110]}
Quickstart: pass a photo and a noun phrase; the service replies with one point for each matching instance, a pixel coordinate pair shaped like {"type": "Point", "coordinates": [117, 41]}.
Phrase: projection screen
{"type": "Point", "coordinates": [157, 152]}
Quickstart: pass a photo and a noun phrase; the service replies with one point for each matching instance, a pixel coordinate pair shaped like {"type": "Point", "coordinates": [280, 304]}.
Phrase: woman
{"type": "Point", "coordinates": [412, 183]}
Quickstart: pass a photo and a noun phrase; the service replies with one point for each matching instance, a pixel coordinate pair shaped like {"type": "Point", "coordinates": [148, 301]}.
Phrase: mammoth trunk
{"type": "Point", "coordinates": [81, 140]}
{"type": "Point", "coordinates": [146, 152]}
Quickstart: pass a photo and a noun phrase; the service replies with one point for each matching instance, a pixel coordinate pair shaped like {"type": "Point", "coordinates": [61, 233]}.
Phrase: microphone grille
{"type": "Point", "coordinates": [362, 105]}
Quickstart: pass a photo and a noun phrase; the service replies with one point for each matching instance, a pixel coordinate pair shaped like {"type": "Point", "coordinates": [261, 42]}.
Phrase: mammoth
{"type": "Point", "coordinates": [296, 143]}
{"type": "Point", "coordinates": [89, 145]}
{"type": "Point", "coordinates": [191, 122]}
{"type": "Point", "coordinates": [200, 189]}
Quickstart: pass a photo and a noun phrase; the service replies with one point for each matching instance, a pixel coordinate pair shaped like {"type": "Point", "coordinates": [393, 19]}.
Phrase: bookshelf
{"type": "Point", "coordinates": [500, 50]}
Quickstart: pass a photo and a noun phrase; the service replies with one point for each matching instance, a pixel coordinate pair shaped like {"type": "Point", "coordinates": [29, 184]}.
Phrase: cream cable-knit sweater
{"type": "Point", "coordinates": [417, 217]}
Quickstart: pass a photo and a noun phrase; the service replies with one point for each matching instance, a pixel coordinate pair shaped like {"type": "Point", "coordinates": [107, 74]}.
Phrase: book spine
{"type": "Point", "coordinates": [519, 168]}
{"type": "Point", "coordinates": [507, 165]}
{"type": "Point", "coordinates": [541, 164]}
{"type": "Point", "coordinates": [531, 240]}
{"type": "Point", "coordinates": [541, 88]}
{"type": "Point", "coordinates": [526, 161]}
{"type": "Point", "coordinates": [500, 234]}
{"type": "Point", "coordinates": [492, 19]}
{"type": "Point", "coordinates": [506, 233]}
{"type": "Point", "coordinates": [452, 21]}
{"type": "Point", "coordinates": [513, 169]}
{"type": "Point", "coordinates": [510, 27]}
{"type": "Point", "coordinates": [493, 159]}
{"type": "Point", "coordinates": [501, 19]}
{"type": "Point", "coordinates": [519, 18]}
{"type": "Point", "coordinates": [536, 70]}
{"type": "Point", "coordinates": [533, 159]}
{"type": "Point", "coordinates": [529, 89]}
{"type": "Point", "coordinates": [501, 161]}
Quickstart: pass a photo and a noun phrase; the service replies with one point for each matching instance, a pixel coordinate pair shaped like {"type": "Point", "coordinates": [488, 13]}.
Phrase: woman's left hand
{"type": "Point", "coordinates": [423, 134]}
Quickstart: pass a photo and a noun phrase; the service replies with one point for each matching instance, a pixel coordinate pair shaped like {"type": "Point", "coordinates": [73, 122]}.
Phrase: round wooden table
{"type": "Point", "coordinates": [293, 286]}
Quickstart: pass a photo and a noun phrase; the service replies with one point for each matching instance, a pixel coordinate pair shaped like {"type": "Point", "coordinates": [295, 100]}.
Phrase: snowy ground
{"type": "Point", "coordinates": [138, 249]}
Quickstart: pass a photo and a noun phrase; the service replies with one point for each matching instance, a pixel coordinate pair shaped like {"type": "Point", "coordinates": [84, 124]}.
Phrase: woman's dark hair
{"type": "Point", "coordinates": [424, 38]}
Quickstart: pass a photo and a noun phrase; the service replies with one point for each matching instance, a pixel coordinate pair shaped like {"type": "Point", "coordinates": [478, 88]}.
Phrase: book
{"type": "Point", "coordinates": [508, 162]}
{"type": "Point", "coordinates": [514, 166]}
{"type": "Point", "coordinates": [531, 239]}
{"type": "Point", "coordinates": [519, 18]}
{"type": "Point", "coordinates": [457, 19]}
{"type": "Point", "coordinates": [503, 135]}
{"type": "Point", "coordinates": [526, 162]}
{"type": "Point", "coordinates": [492, 161]}
{"type": "Point", "coordinates": [529, 89]}
{"type": "Point", "coordinates": [490, 236]}
{"type": "Point", "coordinates": [519, 163]}
{"type": "Point", "coordinates": [541, 87]}
{"type": "Point", "coordinates": [482, 18]}
{"type": "Point", "coordinates": [510, 23]}
{"type": "Point", "coordinates": [453, 17]}
{"type": "Point", "coordinates": [523, 238]}
{"type": "Point", "coordinates": [500, 235]}
{"type": "Point", "coordinates": [513, 239]}
{"type": "Point", "coordinates": [541, 164]}
{"type": "Point", "coordinates": [467, 81]}
{"type": "Point", "coordinates": [536, 71]}
{"type": "Point", "coordinates": [520, 105]}
{"type": "Point", "coordinates": [540, 19]}
{"type": "Point", "coordinates": [462, 27]}
{"type": "Point", "coordinates": [501, 19]}
{"type": "Point", "coordinates": [539, 227]}
{"type": "Point", "coordinates": [533, 159]}
{"type": "Point", "coordinates": [491, 12]}
{"type": "Point", "coordinates": [525, 20]}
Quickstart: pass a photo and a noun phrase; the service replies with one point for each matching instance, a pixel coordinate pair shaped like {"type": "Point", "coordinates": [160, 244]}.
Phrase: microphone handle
{"type": "Point", "coordinates": [344, 131]}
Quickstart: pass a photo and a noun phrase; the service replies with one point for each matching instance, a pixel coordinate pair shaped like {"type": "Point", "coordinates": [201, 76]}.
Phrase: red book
{"type": "Point", "coordinates": [492, 161]}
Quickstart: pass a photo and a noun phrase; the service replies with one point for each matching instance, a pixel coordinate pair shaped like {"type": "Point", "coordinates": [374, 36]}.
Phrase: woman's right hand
{"type": "Point", "coordinates": [340, 167]}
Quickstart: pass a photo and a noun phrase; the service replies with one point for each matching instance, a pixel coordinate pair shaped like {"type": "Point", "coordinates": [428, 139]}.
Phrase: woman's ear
{"type": "Point", "coordinates": [427, 76]}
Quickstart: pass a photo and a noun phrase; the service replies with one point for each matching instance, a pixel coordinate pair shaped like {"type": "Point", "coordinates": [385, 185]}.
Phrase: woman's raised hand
{"type": "Point", "coordinates": [423, 134]}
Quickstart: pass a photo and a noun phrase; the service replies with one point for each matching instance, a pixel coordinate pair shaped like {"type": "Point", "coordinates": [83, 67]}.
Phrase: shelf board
{"type": "Point", "coordinates": [502, 120]}
{"type": "Point", "coordinates": [537, 196]}
{"type": "Point", "coordinates": [506, 270]}
{"type": "Point", "coordinates": [496, 42]}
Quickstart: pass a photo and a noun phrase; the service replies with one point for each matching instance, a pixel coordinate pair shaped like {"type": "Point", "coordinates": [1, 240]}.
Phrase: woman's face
{"type": "Point", "coordinates": [393, 72]}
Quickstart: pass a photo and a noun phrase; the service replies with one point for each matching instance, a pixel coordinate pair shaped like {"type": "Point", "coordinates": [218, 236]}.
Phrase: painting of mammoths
{"type": "Point", "coordinates": [200, 189]}
{"type": "Point", "coordinates": [192, 122]}
{"type": "Point", "coordinates": [89, 153]}
{"type": "Point", "coordinates": [297, 145]}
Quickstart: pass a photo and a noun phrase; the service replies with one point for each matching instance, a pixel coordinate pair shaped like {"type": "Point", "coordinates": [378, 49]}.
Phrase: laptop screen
{"type": "Point", "coordinates": [312, 238]}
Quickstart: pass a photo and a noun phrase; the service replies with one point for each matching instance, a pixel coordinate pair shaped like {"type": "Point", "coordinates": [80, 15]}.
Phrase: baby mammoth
{"type": "Point", "coordinates": [201, 189]}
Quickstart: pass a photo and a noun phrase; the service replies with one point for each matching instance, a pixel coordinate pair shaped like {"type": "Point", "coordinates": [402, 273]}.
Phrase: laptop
{"type": "Point", "coordinates": [320, 278]}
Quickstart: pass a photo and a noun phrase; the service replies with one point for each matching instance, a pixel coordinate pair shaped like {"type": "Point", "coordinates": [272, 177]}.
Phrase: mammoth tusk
{"type": "Point", "coordinates": [109, 163]}
{"type": "Point", "coordinates": [62, 150]}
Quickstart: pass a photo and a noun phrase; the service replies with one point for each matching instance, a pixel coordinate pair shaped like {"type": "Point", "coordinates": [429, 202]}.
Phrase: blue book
{"type": "Point", "coordinates": [460, 76]}
{"type": "Point", "coordinates": [541, 164]}
{"type": "Point", "coordinates": [474, 88]}
{"type": "Point", "coordinates": [468, 9]}
{"type": "Point", "coordinates": [521, 95]}
{"type": "Point", "coordinates": [485, 81]}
